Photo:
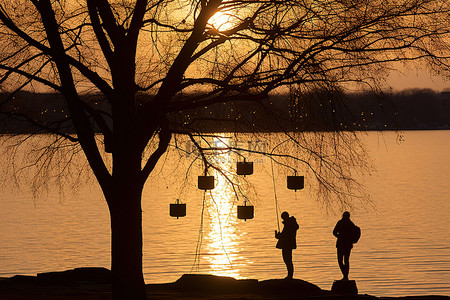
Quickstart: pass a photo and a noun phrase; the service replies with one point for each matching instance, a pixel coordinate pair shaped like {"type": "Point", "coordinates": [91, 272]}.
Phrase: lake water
{"type": "Point", "coordinates": [404, 248]}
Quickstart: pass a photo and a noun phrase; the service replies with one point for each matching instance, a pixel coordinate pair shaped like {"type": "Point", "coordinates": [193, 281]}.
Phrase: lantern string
{"type": "Point", "coordinates": [200, 238]}
{"type": "Point", "coordinates": [275, 196]}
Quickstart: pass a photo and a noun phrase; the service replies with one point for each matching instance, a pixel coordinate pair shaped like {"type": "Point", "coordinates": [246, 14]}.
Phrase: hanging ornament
{"type": "Point", "coordinates": [108, 143]}
{"type": "Point", "coordinates": [295, 182]}
{"type": "Point", "coordinates": [206, 182]}
{"type": "Point", "coordinates": [244, 168]}
{"type": "Point", "coordinates": [177, 209]}
{"type": "Point", "coordinates": [245, 211]}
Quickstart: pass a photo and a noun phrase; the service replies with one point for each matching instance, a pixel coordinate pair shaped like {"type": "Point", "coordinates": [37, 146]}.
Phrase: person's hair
{"type": "Point", "coordinates": [346, 215]}
{"type": "Point", "coordinates": [285, 215]}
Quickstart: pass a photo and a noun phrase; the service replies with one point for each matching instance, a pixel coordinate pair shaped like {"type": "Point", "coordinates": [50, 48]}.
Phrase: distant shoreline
{"type": "Point", "coordinates": [407, 110]}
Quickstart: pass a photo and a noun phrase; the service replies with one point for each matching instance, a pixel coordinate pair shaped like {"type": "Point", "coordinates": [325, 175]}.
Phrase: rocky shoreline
{"type": "Point", "coordinates": [95, 284]}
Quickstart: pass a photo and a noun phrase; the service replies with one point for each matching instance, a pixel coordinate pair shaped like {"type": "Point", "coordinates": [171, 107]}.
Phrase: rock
{"type": "Point", "coordinates": [290, 286]}
{"type": "Point", "coordinates": [19, 279]}
{"type": "Point", "coordinates": [345, 287]}
{"type": "Point", "coordinates": [212, 283]}
{"type": "Point", "coordinates": [94, 275]}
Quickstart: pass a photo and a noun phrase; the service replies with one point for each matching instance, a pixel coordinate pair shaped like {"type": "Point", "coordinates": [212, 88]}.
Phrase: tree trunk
{"type": "Point", "coordinates": [126, 243]}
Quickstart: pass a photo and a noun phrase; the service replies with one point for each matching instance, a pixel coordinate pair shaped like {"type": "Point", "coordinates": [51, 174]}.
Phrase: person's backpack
{"type": "Point", "coordinates": [356, 234]}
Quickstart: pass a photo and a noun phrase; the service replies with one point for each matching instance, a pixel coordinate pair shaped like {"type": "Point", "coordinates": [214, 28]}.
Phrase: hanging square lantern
{"type": "Point", "coordinates": [295, 182]}
{"type": "Point", "coordinates": [108, 145]}
{"type": "Point", "coordinates": [177, 209]}
{"type": "Point", "coordinates": [206, 182]}
{"type": "Point", "coordinates": [244, 168]}
{"type": "Point", "coordinates": [245, 212]}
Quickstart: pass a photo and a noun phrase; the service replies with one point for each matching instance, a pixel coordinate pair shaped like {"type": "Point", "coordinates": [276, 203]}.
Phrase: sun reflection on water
{"type": "Point", "coordinates": [221, 249]}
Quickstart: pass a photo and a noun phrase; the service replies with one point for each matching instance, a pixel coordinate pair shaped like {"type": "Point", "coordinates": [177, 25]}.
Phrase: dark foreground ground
{"type": "Point", "coordinates": [94, 283]}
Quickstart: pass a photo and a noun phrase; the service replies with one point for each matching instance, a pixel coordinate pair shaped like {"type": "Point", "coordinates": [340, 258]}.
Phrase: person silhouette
{"type": "Point", "coordinates": [287, 241]}
{"type": "Point", "coordinates": [344, 231]}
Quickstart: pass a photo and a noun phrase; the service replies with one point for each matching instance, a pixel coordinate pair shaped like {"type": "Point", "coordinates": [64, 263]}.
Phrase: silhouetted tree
{"type": "Point", "coordinates": [147, 61]}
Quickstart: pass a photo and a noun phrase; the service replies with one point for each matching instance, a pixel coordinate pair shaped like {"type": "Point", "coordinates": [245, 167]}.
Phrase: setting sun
{"type": "Point", "coordinates": [222, 21]}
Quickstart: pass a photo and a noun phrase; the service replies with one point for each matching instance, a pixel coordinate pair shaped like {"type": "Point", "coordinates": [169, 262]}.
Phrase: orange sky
{"type": "Point", "coordinates": [421, 79]}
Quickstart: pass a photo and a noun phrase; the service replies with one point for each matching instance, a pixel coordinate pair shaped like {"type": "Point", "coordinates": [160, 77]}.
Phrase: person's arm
{"type": "Point", "coordinates": [280, 234]}
{"type": "Point", "coordinates": [336, 230]}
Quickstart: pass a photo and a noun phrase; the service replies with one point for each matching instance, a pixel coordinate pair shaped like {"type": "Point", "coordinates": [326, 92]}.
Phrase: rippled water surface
{"type": "Point", "coordinates": [404, 248]}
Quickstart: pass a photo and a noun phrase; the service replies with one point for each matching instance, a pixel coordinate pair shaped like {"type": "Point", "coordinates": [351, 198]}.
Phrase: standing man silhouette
{"type": "Point", "coordinates": [345, 233]}
{"type": "Point", "coordinates": [287, 241]}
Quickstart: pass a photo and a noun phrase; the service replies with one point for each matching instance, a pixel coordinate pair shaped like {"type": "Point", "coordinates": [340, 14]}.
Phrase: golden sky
{"type": "Point", "coordinates": [421, 79]}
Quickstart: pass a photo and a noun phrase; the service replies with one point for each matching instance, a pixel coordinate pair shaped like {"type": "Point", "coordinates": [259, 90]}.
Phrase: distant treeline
{"type": "Point", "coordinates": [406, 110]}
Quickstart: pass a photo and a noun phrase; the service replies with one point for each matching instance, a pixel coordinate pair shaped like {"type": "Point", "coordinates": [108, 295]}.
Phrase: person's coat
{"type": "Point", "coordinates": [344, 232]}
{"type": "Point", "coordinates": [287, 237]}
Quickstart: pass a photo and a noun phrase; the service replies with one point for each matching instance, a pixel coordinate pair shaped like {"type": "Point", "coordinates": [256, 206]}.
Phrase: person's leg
{"type": "Point", "coordinates": [340, 258]}
{"type": "Point", "coordinates": [287, 258]}
{"type": "Point", "coordinates": [346, 263]}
